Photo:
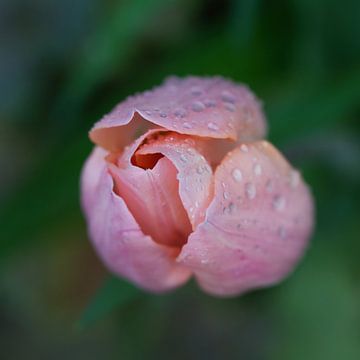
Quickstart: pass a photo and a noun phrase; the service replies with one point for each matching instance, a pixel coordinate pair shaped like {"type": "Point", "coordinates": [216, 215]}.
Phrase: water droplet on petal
{"type": "Point", "coordinates": [180, 113]}
{"type": "Point", "coordinates": [294, 178]}
{"type": "Point", "coordinates": [195, 91]}
{"type": "Point", "coordinates": [257, 169]}
{"type": "Point", "coordinates": [187, 125]}
{"type": "Point", "coordinates": [197, 106]}
{"type": "Point", "coordinates": [163, 114]}
{"type": "Point", "coordinates": [226, 195]}
{"type": "Point", "coordinates": [183, 158]}
{"type": "Point", "coordinates": [190, 142]}
{"type": "Point", "coordinates": [228, 97]}
{"type": "Point", "coordinates": [212, 126]}
{"type": "Point", "coordinates": [230, 107]}
{"type": "Point", "coordinates": [244, 148]}
{"type": "Point", "coordinates": [148, 112]}
{"type": "Point", "coordinates": [250, 190]}
{"type": "Point", "coordinates": [229, 209]}
{"type": "Point", "coordinates": [279, 203]}
{"type": "Point", "coordinates": [269, 186]}
{"type": "Point", "coordinates": [210, 103]}
{"type": "Point", "coordinates": [237, 175]}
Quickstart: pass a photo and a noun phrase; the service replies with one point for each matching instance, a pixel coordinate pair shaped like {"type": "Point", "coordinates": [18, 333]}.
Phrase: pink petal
{"type": "Point", "coordinates": [194, 172]}
{"type": "Point", "coordinates": [207, 107]}
{"type": "Point", "coordinates": [257, 226]}
{"type": "Point", "coordinates": [152, 196]}
{"type": "Point", "coordinates": [118, 238]}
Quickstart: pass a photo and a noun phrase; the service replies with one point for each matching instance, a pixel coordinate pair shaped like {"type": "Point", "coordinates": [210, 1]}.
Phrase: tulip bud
{"type": "Point", "coordinates": [198, 194]}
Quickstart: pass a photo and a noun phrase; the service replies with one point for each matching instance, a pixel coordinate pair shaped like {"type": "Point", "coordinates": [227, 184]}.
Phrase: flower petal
{"type": "Point", "coordinates": [194, 172]}
{"type": "Point", "coordinates": [206, 107]}
{"type": "Point", "coordinates": [257, 226]}
{"type": "Point", "coordinates": [118, 238]}
{"type": "Point", "coordinates": [152, 196]}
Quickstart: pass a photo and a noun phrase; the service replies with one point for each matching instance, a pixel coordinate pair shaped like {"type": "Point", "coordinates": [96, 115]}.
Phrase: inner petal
{"type": "Point", "coordinates": [151, 192]}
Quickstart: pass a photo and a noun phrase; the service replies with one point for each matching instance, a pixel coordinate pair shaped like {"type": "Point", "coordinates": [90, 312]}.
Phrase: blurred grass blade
{"type": "Point", "coordinates": [108, 50]}
{"type": "Point", "coordinates": [307, 108]}
{"type": "Point", "coordinates": [112, 294]}
{"type": "Point", "coordinates": [243, 19]}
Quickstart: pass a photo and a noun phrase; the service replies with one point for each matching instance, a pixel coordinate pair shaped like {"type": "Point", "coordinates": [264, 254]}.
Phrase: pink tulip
{"type": "Point", "coordinates": [199, 193]}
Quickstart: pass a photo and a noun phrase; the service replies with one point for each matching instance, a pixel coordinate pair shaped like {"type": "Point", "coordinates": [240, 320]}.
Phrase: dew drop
{"type": "Point", "coordinates": [190, 151]}
{"type": "Point", "coordinates": [279, 203]}
{"type": "Point", "coordinates": [183, 158]}
{"type": "Point", "coordinates": [195, 91]}
{"type": "Point", "coordinates": [269, 186]}
{"type": "Point", "coordinates": [257, 169]}
{"type": "Point", "coordinates": [212, 126]}
{"type": "Point", "coordinates": [228, 97]}
{"type": "Point", "coordinates": [180, 113]}
{"type": "Point", "coordinates": [226, 195]}
{"type": "Point", "coordinates": [163, 114]}
{"type": "Point", "coordinates": [209, 103]}
{"type": "Point", "coordinates": [237, 175]}
{"type": "Point", "coordinates": [200, 170]}
{"type": "Point", "coordinates": [250, 190]}
{"type": "Point", "coordinates": [187, 125]}
{"type": "Point", "coordinates": [244, 148]}
{"type": "Point", "coordinates": [148, 112]}
{"type": "Point", "coordinates": [197, 106]}
{"type": "Point", "coordinates": [294, 178]}
{"type": "Point", "coordinates": [229, 209]}
{"type": "Point", "coordinates": [190, 142]}
{"type": "Point", "coordinates": [230, 107]}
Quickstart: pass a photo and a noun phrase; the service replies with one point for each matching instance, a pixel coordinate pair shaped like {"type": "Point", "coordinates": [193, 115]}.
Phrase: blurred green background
{"type": "Point", "coordinates": [63, 64]}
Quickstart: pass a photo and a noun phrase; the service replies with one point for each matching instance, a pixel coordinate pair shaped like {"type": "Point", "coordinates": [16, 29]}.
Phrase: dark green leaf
{"type": "Point", "coordinates": [113, 294]}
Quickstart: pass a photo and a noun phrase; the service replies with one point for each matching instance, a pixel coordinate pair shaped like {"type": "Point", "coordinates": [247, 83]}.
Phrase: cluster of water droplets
{"type": "Point", "coordinates": [249, 184]}
{"type": "Point", "coordinates": [196, 98]}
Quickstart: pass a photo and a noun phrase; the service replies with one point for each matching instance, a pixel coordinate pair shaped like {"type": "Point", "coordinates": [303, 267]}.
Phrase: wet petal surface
{"type": "Point", "coordinates": [257, 226]}
{"type": "Point", "coordinates": [194, 172]}
{"type": "Point", "coordinates": [207, 107]}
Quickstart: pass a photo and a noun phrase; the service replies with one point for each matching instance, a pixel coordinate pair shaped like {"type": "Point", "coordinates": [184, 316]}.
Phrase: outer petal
{"type": "Point", "coordinates": [194, 173]}
{"type": "Point", "coordinates": [118, 238]}
{"type": "Point", "coordinates": [257, 226]}
{"type": "Point", "coordinates": [207, 107]}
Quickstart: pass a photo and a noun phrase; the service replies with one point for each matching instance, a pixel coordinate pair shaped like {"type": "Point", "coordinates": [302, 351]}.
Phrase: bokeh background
{"type": "Point", "coordinates": [63, 64]}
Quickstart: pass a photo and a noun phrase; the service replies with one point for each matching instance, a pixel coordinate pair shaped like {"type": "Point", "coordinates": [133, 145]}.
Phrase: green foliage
{"type": "Point", "coordinates": [114, 293]}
